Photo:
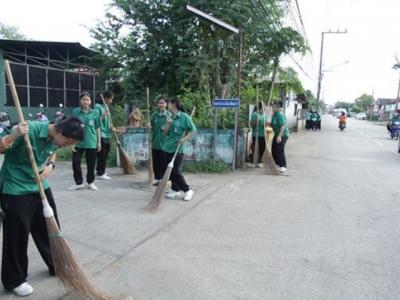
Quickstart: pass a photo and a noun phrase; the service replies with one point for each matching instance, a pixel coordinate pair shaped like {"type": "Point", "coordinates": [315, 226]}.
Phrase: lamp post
{"type": "Point", "coordinates": [321, 59]}
{"type": "Point", "coordinates": [210, 19]}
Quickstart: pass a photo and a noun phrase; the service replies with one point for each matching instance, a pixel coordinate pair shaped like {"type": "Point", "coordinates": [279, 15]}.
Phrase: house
{"type": "Point", "coordinates": [385, 107]}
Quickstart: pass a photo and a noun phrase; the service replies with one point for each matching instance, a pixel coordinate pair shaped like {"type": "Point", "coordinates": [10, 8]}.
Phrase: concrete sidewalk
{"type": "Point", "coordinates": [105, 226]}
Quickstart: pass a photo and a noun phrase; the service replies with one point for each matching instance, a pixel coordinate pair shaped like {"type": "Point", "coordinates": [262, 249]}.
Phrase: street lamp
{"type": "Point", "coordinates": [320, 61]}
{"type": "Point", "coordinates": [210, 19]}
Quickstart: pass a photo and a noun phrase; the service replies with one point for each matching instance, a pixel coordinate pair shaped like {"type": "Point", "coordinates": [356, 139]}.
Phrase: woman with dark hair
{"type": "Point", "coordinates": [90, 145]}
{"type": "Point", "coordinates": [106, 130]}
{"type": "Point", "coordinates": [175, 127]}
{"type": "Point", "coordinates": [281, 135]}
{"type": "Point", "coordinates": [157, 123]}
{"type": "Point", "coordinates": [20, 198]}
{"type": "Point", "coordinates": [257, 122]}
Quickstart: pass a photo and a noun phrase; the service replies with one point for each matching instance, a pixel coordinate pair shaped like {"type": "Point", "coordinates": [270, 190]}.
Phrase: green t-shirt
{"type": "Point", "coordinates": [278, 120]}
{"type": "Point", "coordinates": [16, 175]}
{"type": "Point", "coordinates": [105, 124]}
{"type": "Point", "coordinates": [179, 125]}
{"type": "Point", "coordinates": [261, 124]}
{"type": "Point", "coordinates": [91, 121]}
{"type": "Point", "coordinates": [157, 124]}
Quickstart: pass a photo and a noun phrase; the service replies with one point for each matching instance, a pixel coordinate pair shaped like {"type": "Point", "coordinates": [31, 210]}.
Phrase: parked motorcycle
{"type": "Point", "coordinates": [40, 116]}
{"type": "Point", "coordinates": [59, 116]}
{"type": "Point", "coordinates": [314, 124]}
{"type": "Point", "coordinates": [5, 122]}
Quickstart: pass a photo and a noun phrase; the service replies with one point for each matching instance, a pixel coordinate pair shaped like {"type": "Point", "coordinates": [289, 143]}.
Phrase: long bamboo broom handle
{"type": "Point", "coordinates": [47, 210]}
{"type": "Point", "coordinates": [151, 175]}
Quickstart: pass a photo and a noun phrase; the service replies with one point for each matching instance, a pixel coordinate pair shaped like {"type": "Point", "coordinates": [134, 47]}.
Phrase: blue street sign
{"type": "Point", "coordinates": [226, 103]}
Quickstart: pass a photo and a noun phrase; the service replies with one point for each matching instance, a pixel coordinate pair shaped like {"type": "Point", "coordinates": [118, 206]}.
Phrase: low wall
{"type": "Point", "coordinates": [199, 148]}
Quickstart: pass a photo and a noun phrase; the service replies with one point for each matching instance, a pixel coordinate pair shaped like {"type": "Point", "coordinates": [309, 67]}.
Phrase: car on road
{"type": "Point", "coordinates": [361, 116]}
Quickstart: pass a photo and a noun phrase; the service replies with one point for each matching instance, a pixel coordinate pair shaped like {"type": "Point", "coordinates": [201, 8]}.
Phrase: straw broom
{"type": "Point", "coordinates": [256, 151]}
{"type": "Point", "coordinates": [162, 186]}
{"type": "Point", "coordinates": [65, 264]}
{"type": "Point", "coordinates": [151, 173]}
{"type": "Point", "coordinates": [126, 163]}
{"type": "Point", "coordinates": [269, 162]}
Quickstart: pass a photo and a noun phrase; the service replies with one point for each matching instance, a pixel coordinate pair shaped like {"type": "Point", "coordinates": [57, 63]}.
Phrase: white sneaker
{"type": "Point", "coordinates": [76, 187]}
{"type": "Point", "coordinates": [155, 182]}
{"type": "Point", "coordinates": [188, 195]}
{"type": "Point", "coordinates": [104, 177]}
{"type": "Point", "coordinates": [23, 290]}
{"type": "Point", "coordinates": [260, 165]}
{"type": "Point", "coordinates": [282, 169]}
{"type": "Point", "coordinates": [92, 187]}
{"type": "Point", "coordinates": [171, 194]}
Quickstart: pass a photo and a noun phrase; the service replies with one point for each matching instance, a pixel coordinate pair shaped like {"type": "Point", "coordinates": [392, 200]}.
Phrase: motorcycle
{"type": "Point", "coordinates": [40, 116]}
{"type": "Point", "coordinates": [395, 130]}
{"type": "Point", "coordinates": [342, 126]}
{"type": "Point", "coordinates": [59, 116]}
{"type": "Point", "coordinates": [5, 122]}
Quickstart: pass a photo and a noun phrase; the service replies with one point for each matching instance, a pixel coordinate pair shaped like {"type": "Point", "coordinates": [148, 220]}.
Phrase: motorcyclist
{"type": "Point", "coordinates": [394, 119]}
{"type": "Point", "coordinates": [342, 119]}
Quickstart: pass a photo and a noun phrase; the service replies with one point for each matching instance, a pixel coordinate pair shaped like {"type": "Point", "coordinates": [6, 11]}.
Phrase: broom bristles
{"type": "Point", "coordinates": [66, 267]}
{"type": "Point", "coordinates": [160, 192]}
{"type": "Point", "coordinates": [270, 166]}
{"type": "Point", "coordinates": [126, 164]}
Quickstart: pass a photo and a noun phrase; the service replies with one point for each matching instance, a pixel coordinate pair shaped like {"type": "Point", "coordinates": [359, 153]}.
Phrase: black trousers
{"type": "Point", "coordinates": [261, 148]}
{"type": "Point", "coordinates": [177, 179]}
{"type": "Point", "coordinates": [158, 163]}
{"type": "Point", "coordinates": [278, 152]}
{"type": "Point", "coordinates": [23, 215]}
{"type": "Point", "coordinates": [90, 155]}
{"type": "Point", "coordinates": [102, 156]}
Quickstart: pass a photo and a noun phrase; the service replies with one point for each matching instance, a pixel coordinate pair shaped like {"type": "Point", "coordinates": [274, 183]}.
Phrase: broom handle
{"type": "Point", "coordinates": [151, 175]}
{"type": "Point", "coordinates": [47, 210]}
{"type": "Point", "coordinates": [109, 115]}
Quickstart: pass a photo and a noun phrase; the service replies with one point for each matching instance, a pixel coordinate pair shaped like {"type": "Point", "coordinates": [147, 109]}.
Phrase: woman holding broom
{"type": "Point", "coordinates": [176, 126]}
{"type": "Point", "coordinates": [157, 123]}
{"type": "Point", "coordinates": [257, 122]}
{"type": "Point", "coordinates": [20, 198]}
{"type": "Point", "coordinates": [281, 135]}
{"type": "Point", "coordinates": [90, 145]}
{"type": "Point", "coordinates": [106, 130]}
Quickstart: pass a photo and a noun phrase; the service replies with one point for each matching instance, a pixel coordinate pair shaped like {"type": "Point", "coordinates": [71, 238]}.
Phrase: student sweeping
{"type": "Point", "coordinates": [106, 130]}
{"type": "Point", "coordinates": [175, 127]}
{"type": "Point", "coordinates": [90, 145]}
{"type": "Point", "coordinates": [281, 135]}
{"type": "Point", "coordinates": [257, 122]}
{"type": "Point", "coordinates": [20, 198]}
{"type": "Point", "coordinates": [157, 123]}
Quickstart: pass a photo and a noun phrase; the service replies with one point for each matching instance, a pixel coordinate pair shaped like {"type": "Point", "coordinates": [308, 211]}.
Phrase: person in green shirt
{"type": "Point", "coordinates": [281, 135]}
{"type": "Point", "coordinates": [157, 123]}
{"type": "Point", "coordinates": [20, 199]}
{"type": "Point", "coordinates": [175, 128]}
{"type": "Point", "coordinates": [106, 131]}
{"type": "Point", "coordinates": [257, 122]}
{"type": "Point", "coordinates": [90, 145]}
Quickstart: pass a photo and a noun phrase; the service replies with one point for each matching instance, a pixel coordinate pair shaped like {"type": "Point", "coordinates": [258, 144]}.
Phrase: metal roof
{"type": "Point", "coordinates": [75, 49]}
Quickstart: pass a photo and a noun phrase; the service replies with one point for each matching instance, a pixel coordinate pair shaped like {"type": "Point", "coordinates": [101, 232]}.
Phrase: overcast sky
{"type": "Point", "coordinates": [369, 45]}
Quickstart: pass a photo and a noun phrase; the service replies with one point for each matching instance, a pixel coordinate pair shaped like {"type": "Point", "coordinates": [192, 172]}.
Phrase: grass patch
{"type": "Point", "coordinates": [205, 167]}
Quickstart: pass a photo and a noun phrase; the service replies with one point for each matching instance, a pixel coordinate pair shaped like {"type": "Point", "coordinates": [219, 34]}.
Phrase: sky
{"type": "Point", "coordinates": [369, 45]}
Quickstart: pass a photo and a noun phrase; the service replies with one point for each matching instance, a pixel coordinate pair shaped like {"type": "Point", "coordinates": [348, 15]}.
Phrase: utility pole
{"type": "Point", "coordinates": [320, 62]}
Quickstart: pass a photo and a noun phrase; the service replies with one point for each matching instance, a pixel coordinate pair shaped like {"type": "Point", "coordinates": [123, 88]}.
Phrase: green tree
{"type": "Point", "coordinates": [10, 32]}
{"type": "Point", "coordinates": [364, 101]}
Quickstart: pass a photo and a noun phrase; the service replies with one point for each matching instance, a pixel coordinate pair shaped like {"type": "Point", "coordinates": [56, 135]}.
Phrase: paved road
{"type": "Point", "coordinates": [329, 230]}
